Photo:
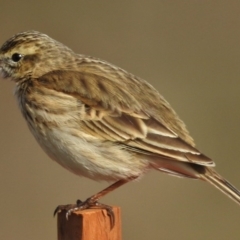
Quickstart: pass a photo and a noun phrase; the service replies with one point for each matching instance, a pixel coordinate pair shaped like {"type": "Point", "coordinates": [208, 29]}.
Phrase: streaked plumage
{"type": "Point", "coordinates": [96, 119]}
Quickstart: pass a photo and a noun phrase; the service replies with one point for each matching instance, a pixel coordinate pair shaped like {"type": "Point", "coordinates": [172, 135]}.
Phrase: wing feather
{"type": "Point", "coordinates": [126, 110]}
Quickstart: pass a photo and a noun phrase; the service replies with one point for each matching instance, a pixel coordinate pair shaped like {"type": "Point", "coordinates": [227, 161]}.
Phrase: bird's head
{"type": "Point", "coordinates": [32, 54]}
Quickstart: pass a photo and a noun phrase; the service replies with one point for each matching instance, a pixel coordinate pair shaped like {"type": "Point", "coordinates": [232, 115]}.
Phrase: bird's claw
{"type": "Point", "coordinates": [87, 204]}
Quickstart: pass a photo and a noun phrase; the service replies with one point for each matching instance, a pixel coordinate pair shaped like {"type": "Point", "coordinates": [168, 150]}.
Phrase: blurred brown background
{"type": "Point", "coordinates": [190, 51]}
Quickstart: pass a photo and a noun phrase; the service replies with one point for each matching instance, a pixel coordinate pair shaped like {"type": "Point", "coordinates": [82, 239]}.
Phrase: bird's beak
{"type": "Point", "coordinates": [1, 61]}
{"type": "Point", "coordinates": [1, 67]}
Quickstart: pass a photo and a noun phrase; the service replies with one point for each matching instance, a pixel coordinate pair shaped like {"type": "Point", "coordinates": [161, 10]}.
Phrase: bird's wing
{"type": "Point", "coordinates": [127, 110]}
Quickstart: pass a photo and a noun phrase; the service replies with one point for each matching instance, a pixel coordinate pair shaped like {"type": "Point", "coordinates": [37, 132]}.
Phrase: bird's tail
{"type": "Point", "coordinates": [222, 184]}
{"type": "Point", "coordinates": [194, 171]}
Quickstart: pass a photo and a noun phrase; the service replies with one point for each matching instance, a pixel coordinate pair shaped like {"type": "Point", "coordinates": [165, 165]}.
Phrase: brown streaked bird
{"type": "Point", "coordinates": [97, 120]}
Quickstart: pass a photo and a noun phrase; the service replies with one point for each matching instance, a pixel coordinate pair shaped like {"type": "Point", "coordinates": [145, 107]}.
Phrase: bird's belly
{"type": "Point", "coordinates": [89, 157]}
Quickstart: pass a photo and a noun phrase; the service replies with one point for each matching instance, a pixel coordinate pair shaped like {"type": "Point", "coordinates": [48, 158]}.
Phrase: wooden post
{"type": "Point", "coordinates": [90, 224]}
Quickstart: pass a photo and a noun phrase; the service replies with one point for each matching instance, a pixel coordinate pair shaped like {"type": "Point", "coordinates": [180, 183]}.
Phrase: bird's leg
{"type": "Point", "coordinates": [92, 202]}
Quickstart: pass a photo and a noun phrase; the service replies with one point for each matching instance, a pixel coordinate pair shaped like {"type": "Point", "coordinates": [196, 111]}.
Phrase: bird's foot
{"type": "Point", "coordinates": [90, 203]}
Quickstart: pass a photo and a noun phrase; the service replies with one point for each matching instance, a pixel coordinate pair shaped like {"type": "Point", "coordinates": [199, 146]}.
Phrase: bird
{"type": "Point", "coordinates": [99, 121]}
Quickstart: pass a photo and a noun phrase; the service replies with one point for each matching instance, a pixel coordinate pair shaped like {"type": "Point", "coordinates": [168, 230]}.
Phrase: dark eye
{"type": "Point", "coordinates": [16, 57]}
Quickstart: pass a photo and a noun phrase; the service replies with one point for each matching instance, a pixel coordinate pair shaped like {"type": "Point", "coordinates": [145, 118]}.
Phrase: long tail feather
{"type": "Point", "coordinates": [222, 184]}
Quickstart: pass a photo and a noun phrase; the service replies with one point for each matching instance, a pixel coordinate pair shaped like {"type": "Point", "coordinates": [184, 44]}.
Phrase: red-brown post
{"type": "Point", "coordinates": [90, 224]}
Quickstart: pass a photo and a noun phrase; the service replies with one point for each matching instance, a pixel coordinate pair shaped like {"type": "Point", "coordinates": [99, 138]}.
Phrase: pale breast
{"type": "Point", "coordinates": [54, 119]}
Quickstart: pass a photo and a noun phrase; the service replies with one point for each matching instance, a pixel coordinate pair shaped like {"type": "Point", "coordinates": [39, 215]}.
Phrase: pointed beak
{"type": "Point", "coordinates": [1, 62]}
{"type": "Point", "coordinates": [1, 67]}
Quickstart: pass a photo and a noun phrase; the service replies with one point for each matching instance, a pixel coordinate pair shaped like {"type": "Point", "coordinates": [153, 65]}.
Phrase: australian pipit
{"type": "Point", "coordinates": [97, 120]}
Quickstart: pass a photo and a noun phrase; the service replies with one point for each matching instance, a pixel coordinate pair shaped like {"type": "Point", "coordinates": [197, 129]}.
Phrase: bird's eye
{"type": "Point", "coordinates": [16, 57]}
